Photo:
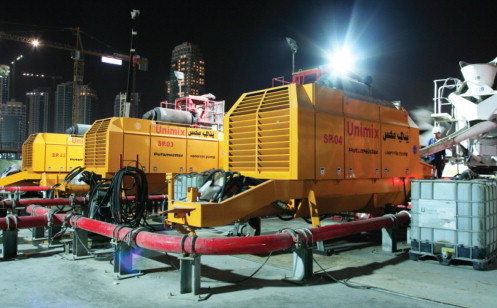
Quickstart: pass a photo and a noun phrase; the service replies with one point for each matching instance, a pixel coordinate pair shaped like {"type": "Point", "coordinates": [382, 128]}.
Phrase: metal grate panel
{"type": "Point", "coordinates": [259, 132]}
{"type": "Point", "coordinates": [27, 152]}
{"type": "Point", "coordinates": [96, 144]}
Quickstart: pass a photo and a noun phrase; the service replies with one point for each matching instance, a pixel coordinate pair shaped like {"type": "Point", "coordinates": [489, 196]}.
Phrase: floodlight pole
{"type": "Point", "coordinates": [293, 61]}
{"type": "Point", "coordinates": [179, 77]}
{"type": "Point", "coordinates": [293, 47]}
{"type": "Point", "coordinates": [134, 15]}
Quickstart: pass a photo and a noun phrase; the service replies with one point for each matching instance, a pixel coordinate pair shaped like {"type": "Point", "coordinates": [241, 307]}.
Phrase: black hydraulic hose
{"type": "Point", "coordinates": [97, 201]}
{"type": "Point", "coordinates": [234, 179]}
{"type": "Point", "coordinates": [74, 173]}
{"type": "Point", "coordinates": [220, 194]}
{"type": "Point", "coordinates": [233, 183]}
{"type": "Point", "coordinates": [129, 213]}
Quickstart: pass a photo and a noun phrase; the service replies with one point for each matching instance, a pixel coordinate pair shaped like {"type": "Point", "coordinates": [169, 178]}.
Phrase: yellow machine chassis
{"type": "Point", "coordinates": [26, 178]}
{"type": "Point", "coordinates": [318, 197]}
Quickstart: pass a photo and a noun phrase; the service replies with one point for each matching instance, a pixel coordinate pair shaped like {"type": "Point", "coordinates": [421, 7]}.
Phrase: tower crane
{"type": "Point", "coordinates": [77, 53]}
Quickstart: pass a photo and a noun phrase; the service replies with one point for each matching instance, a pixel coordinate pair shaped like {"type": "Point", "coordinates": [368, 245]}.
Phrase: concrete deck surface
{"type": "Point", "coordinates": [46, 277]}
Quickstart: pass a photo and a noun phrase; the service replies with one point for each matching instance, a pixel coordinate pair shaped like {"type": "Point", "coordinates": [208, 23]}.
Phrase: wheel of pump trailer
{"type": "Point", "coordinates": [329, 252]}
{"type": "Point", "coordinates": [309, 221]}
{"type": "Point", "coordinates": [413, 256]}
{"type": "Point", "coordinates": [255, 224]}
{"type": "Point", "coordinates": [246, 230]}
{"type": "Point", "coordinates": [443, 261]}
{"type": "Point", "coordinates": [285, 218]}
{"type": "Point", "coordinates": [480, 265]}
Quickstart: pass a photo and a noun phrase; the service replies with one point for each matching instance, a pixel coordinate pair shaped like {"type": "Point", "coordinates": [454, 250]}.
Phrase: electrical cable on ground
{"type": "Point", "coordinates": [256, 271]}
{"type": "Point", "coordinates": [171, 261]}
{"type": "Point", "coordinates": [366, 287]}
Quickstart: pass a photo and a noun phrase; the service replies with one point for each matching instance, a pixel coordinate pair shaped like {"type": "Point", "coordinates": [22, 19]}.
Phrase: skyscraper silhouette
{"type": "Point", "coordinates": [188, 59]}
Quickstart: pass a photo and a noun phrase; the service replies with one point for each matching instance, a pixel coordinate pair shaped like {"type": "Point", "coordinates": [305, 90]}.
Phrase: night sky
{"type": "Point", "coordinates": [403, 45]}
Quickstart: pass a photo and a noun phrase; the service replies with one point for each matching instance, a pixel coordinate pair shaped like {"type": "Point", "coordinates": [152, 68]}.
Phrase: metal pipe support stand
{"type": "Point", "coordinates": [9, 248]}
{"type": "Point", "coordinates": [388, 239]}
{"type": "Point", "coordinates": [38, 233]}
{"type": "Point", "coordinates": [80, 244]}
{"type": "Point", "coordinates": [302, 266]}
{"type": "Point", "coordinates": [189, 267]}
{"type": "Point", "coordinates": [124, 262]}
{"type": "Point", "coordinates": [54, 242]}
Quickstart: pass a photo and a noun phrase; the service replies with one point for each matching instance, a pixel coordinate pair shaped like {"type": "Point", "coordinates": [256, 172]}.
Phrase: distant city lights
{"type": "Point", "coordinates": [19, 57]}
{"type": "Point", "coordinates": [34, 75]}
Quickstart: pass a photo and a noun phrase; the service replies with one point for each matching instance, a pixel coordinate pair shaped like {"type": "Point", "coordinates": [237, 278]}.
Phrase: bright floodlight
{"type": "Point", "coordinates": [342, 61]}
{"type": "Point", "coordinates": [179, 75]}
{"type": "Point", "coordinates": [112, 60]}
{"type": "Point", "coordinates": [35, 43]}
{"type": "Point", "coordinates": [293, 47]}
{"type": "Point", "coordinates": [135, 13]}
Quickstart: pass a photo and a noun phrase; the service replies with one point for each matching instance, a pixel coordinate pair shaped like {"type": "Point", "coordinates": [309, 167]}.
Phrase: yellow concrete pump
{"type": "Point", "coordinates": [315, 150]}
{"type": "Point", "coordinates": [154, 147]}
{"type": "Point", "coordinates": [183, 138]}
{"type": "Point", "coordinates": [47, 159]}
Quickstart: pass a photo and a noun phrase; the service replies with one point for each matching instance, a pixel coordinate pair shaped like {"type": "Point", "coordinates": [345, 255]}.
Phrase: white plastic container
{"type": "Point", "coordinates": [454, 219]}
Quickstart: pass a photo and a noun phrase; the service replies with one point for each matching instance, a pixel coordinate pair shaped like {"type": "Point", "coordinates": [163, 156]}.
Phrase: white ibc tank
{"type": "Point", "coordinates": [461, 215]}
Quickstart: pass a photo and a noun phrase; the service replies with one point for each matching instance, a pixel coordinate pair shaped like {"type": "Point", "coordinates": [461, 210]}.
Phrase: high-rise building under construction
{"type": "Point", "coordinates": [63, 107]}
{"type": "Point", "coordinates": [38, 104]}
{"type": "Point", "coordinates": [187, 59]}
{"type": "Point", "coordinates": [88, 104]}
{"type": "Point", "coordinates": [4, 83]}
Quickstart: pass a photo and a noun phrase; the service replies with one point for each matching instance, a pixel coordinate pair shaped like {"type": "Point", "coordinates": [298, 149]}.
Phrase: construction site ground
{"type": "Point", "coordinates": [357, 274]}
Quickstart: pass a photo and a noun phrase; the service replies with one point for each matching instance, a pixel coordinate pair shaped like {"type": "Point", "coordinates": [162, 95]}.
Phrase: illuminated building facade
{"type": "Point", "coordinates": [38, 103]}
{"type": "Point", "coordinates": [12, 125]}
{"type": "Point", "coordinates": [88, 101]}
{"type": "Point", "coordinates": [63, 107]}
{"type": "Point", "coordinates": [188, 59]}
{"type": "Point", "coordinates": [4, 83]}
